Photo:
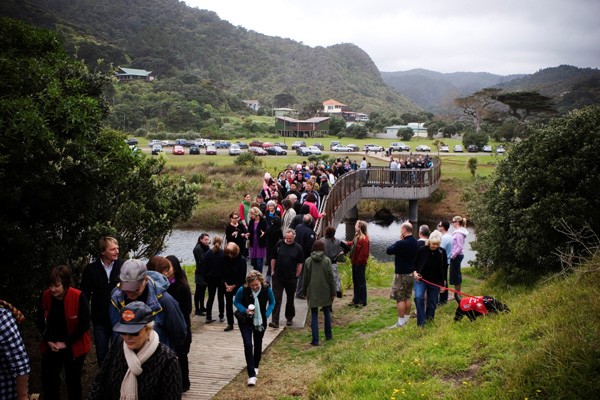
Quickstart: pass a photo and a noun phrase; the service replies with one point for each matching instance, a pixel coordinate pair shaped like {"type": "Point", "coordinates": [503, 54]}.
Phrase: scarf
{"type": "Point", "coordinates": [246, 205]}
{"type": "Point", "coordinates": [257, 321]}
{"type": "Point", "coordinates": [134, 363]}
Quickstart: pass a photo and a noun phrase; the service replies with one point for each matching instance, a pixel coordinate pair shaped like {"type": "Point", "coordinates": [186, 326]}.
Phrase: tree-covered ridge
{"type": "Point", "coordinates": [167, 36]}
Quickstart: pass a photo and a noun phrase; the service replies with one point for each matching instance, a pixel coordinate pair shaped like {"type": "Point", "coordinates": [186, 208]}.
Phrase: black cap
{"type": "Point", "coordinates": [134, 316]}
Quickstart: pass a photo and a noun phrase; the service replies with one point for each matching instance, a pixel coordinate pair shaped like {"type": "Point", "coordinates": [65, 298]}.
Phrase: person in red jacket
{"type": "Point", "coordinates": [359, 255]}
{"type": "Point", "coordinates": [64, 321]}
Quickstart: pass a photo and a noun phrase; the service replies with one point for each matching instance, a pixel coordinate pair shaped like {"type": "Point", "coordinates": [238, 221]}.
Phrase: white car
{"type": "Point", "coordinates": [422, 147]}
{"type": "Point", "coordinates": [399, 146]}
{"type": "Point", "coordinates": [372, 147]}
{"type": "Point", "coordinates": [339, 147]}
{"type": "Point", "coordinates": [487, 148]}
{"type": "Point", "coordinates": [235, 150]}
{"type": "Point", "coordinates": [314, 150]}
{"type": "Point", "coordinates": [444, 149]}
{"type": "Point", "coordinates": [500, 150]}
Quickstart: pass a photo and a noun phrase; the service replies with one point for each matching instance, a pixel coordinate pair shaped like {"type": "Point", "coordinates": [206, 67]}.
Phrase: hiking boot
{"type": "Point", "coordinates": [228, 328]}
{"type": "Point", "coordinates": [274, 325]}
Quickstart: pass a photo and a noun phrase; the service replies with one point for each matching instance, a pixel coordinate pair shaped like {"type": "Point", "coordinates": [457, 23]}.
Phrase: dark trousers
{"type": "Point", "coordinates": [52, 364]}
{"type": "Point", "coordinates": [199, 297]}
{"type": "Point", "coordinates": [252, 351]}
{"type": "Point", "coordinates": [444, 296]}
{"type": "Point", "coordinates": [229, 306]}
{"type": "Point", "coordinates": [102, 336]}
{"type": "Point", "coordinates": [314, 323]}
{"type": "Point", "coordinates": [218, 288]}
{"type": "Point", "coordinates": [182, 358]}
{"type": "Point", "coordinates": [359, 280]}
{"type": "Point", "coordinates": [279, 285]}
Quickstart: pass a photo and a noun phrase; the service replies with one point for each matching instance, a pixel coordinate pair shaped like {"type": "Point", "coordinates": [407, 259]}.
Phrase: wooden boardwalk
{"type": "Point", "coordinates": [217, 357]}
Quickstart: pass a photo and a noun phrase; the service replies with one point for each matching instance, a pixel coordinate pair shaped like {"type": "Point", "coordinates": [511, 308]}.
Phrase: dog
{"type": "Point", "coordinates": [477, 306]}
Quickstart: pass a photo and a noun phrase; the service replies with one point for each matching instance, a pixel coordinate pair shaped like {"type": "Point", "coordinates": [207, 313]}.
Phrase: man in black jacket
{"type": "Point", "coordinates": [199, 253]}
{"type": "Point", "coordinates": [98, 280]}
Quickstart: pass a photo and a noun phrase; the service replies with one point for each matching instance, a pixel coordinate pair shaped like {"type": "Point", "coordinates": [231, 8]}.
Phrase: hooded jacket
{"type": "Point", "coordinates": [458, 241]}
{"type": "Point", "coordinates": [318, 284]}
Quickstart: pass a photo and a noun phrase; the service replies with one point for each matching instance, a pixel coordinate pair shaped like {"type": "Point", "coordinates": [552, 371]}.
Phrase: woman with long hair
{"type": "Point", "coordinates": [257, 229]}
{"type": "Point", "coordinates": [64, 322]}
{"type": "Point", "coordinates": [359, 255]}
{"type": "Point", "coordinates": [236, 232]}
{"type": "Point", "coordinates": [458, 243]}
{"type": "Point", "coordinates": [335, 249]}
{"type": "Point", "coordinates": [255, 301]}
{"type": "Point", "coordinates": [234, 273]}
{"type": "Point", "coordinates": [244, 210]}
{"type": "Point", "coordinates": [214, 279]}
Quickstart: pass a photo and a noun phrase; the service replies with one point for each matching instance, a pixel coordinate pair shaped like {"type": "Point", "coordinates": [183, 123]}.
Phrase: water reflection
{"type": "Point", "coordinates": [182, 241]}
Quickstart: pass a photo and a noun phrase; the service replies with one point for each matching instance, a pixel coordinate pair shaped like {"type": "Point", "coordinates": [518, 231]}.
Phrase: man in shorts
{"type": "Point", "coordinates": [404, 251]}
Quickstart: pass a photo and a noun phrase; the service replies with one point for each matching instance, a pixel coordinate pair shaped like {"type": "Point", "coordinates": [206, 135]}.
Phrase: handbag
{"type": "Point", "coordinates": [241, 317]}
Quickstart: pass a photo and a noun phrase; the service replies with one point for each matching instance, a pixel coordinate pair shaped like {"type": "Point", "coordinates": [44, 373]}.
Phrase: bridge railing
{"type": "Point", "coordinates": [374, 177]}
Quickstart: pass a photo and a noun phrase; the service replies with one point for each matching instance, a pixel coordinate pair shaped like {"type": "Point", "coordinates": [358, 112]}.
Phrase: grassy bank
{"type": "Point", "coordinates": [547, 347]}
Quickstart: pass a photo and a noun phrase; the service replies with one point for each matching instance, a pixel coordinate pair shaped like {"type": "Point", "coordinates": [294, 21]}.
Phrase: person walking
{"type": "Point", "coordinates": [257, 229]}
{"type": "Point", "coordinates": [458, 242]}
{"type": "Point", "coordinates": [237, 232]}
{"type": "Point", "coordinates": [214, 279]}
{"type": "Point", "coordinates": [234, 274]}
{"type": "Point", "coordinates": [255, 302]}
{"type": "Point", "coordinates": [64, 322]}
{"type": "Point", "coordinates": [430, 265]}
{"type": "Point", "coordinates": [404, 252]}
{"type": "Point", "coordinates": [359, 255]}
{"type": "Point", "coordinates": [335, 249]}
{"type": "Point", "coordinates": [199, 254]}
{"type": "Point", "coordinates": [444, 227]}
{"type": "Point", "coordinates": [318, 286]}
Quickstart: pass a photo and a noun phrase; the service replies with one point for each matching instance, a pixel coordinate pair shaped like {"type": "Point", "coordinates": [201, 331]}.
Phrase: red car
{"type": "Point", "coordinates": [266, 145]}
{"type": "Point", "coordinates": [256, 143]}
{"type": "Point", "coordinates": [178, 150]}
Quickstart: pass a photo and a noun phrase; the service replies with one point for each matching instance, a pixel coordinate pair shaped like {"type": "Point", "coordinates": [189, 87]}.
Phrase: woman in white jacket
{"type": "Point", "coordinates": [458, 241]}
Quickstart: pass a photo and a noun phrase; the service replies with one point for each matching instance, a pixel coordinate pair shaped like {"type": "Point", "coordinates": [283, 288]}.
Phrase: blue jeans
{"type": "Point", "coordinates": [102, 336]}
{"type": "Point", "coordinates": [314, 323]}
{"type": "Point", "coordinates": [252, 352]}
{"type": "Point", "coordinates": [433, 293]}
{"type": "Point", "coordinates": [359, 280]}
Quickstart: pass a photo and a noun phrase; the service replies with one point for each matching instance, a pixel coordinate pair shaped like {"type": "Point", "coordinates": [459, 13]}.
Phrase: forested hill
{"type": "Point", "coordinates": [167, 36]}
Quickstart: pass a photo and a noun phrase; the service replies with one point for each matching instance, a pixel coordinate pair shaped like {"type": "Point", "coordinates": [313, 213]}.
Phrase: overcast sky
{"type": "Point", "coordinates": [502, 37]}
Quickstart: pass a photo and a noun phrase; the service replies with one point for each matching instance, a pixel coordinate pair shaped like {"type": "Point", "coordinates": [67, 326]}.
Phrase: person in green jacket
{"type": "Point", "coordinates": [318, 286]}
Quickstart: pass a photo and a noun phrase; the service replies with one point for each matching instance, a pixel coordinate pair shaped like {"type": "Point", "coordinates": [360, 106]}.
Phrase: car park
{"type": "Point", "coordinates": [298, 143]}
{"type": "Point", "coordinates": [353, 146]}
{"type": "Point", "coordinates": [235, 150]}
{"type": "Point", "coordinates": [194, 149]}
{"type": "Point", "coordinates": [276, 151]}
{"type": "Point", "coordinates": [444, 149]}
{"type": "Point", "coordinates": [212, 150]}
{"type": "Point", "coordinates": [222, 144]}
{"type": "Point", "coordinates": [282, 145]}
{"type": "Point", "coordinates": [314, 150]}
{"type": "Point", "coordinates": [372, 147]}
{"type": "Point", "coordinates": [422, 147]}
{"type": "Point", "coordinates": [487, 148]}
{"type": "Point", "coordinates": [472, 148]}
{"type": "Point", "coordinates": [500, 150]}
{"type": "Point", "coordinates": [399, 146]}
{"type": "Point", "coordinates": [156, 149]}
{"type": "Point", "coordinates": [458, 148]}
{"type": "Point", "coordinates": [131, 141]}
{"type": "Point", "coordinates": [257, 151]}
{"type": "Point", "coordinates": [340, 148]}
{"type": "Point", "coordinates": [178, 150]}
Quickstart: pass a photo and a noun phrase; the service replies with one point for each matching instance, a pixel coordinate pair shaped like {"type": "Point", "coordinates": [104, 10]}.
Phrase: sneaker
{"type": "Point", "coordinates": [256, 372]}
{"type": "Point", "coordinates": [252, 381]}
{"type": "Point", "coordinates": [274, 325]}
{"type": "Point", "coordinates": [221, 319]}
{"type": "Point", "coordinates": [289, 322]}
{"type": "Point", "coordinates": [228, 328]}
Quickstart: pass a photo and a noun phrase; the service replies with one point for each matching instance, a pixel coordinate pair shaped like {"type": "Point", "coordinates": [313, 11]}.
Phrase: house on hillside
{"type": "Point", "coordinates": [253, 104]}
{"type": "Point", "coordinates": [308, 128]}
{"type": "Point", "coordinates": [282, 112]}
{"type": "Point", "coordinates": [130, 74]}
{"type": "Point", "coordinates": [333, 107]}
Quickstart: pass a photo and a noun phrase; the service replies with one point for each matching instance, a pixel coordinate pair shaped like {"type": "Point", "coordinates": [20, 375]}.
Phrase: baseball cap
{"type": "Point", "coordinates": [133, 272]}
{"type": "Point", "coordinates": [134, 316]}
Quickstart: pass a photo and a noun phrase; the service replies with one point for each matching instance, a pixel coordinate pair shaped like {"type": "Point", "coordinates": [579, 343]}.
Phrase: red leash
{"type": "Point", "coordinates": [443, 287]}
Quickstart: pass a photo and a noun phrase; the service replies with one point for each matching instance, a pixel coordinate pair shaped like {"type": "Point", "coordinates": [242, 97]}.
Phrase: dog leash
{"type": "Point", "coordinates": [443, 287]}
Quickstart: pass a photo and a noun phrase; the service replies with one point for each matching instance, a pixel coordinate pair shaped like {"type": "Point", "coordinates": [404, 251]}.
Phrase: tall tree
{"type": "Point", "coordinates": [523, 105]}
{"type": "Point", "coordinates": [475, 106]}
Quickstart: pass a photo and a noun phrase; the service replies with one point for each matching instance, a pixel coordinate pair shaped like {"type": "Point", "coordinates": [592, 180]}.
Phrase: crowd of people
{"type": "Point", "coordinates": [140, 312]}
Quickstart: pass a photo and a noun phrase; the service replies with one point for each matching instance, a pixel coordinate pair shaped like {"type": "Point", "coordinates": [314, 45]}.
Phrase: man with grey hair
{"type": "Point", "coordinates": [139, 284]}
{"type": "Point", "coordinates": [424, 233]}
{"type": "Point", "coordinates": [404, 251]}
{"type": "Point", "coordinates": [286, 267]}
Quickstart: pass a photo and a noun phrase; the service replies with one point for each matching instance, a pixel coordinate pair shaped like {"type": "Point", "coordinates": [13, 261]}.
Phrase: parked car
{"type": "Point", "coordinates": [320, 146]}
{"type": "Point", "coordinates": [156, 149]}
{"type": "Point", "coordinates": [178, 150]}
{"type": "Point", "coordinates": [276, 151]}
{"type": "Point", "coordinates": [298, 143]}
{"type": "Point", "coordinates": [303, 151]}
{"type": "Point", "coordinates": [154, 142]}
{"type": "Point", "coordinates": [222, 144]}
{"type": "Point", "coordinates": [212, 150]}
{"type": "Point", "coordinates": [203, 142]}
{"type": "Point", "coordinates": [444, 149]}
{"type": "Point", "coordinates": [472, 148]}
{"type": "Point", "coordinates": [353, 146]}
{"type": "Point", "coordinates": [422, 147]}
{"type": "Point", "coordinates": [242, 145]}
{"type": "Point", "coordinates": [256, 143]}
{"type": "Point", "coordinates": [194, 149]}
{"type": "Point", "coordinates": [487, 148]}
{"type": "Point", "coordinates": [458, 148]}
{"type": "Point", "coordinates": [399, 146]}
{"type": "Point", "coordinates": [282, 145]}
{"type": "Point", "coordinates": [182, 142]}
{"type": "Point", "coordinates": [170, 143]}
{"type": "Point", "coordinates": [235, 150]}
{"type": "Point", "coordinates": [339, 147]}
{"type": "Point", "coordinates": [500, 150]}
{"type": "Point", "coordinates": [131, 141]}
{"type": "Point", "coordinates": [314, 150]}
{"type": "Point", "coordinates": [257, 151]}
{"type": "Point", "coordinates": [333, 144]}
{"type": "Point", "coordinates": [266, 145]}
{"type": "Point", "coordinates": [372, 147]}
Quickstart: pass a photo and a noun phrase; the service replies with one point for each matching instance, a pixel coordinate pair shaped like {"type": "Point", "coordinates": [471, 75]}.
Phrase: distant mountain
{"type": "Point", "coordinates": [569, 87]}
{"type": "Point", "coordinates": [167, 36]}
